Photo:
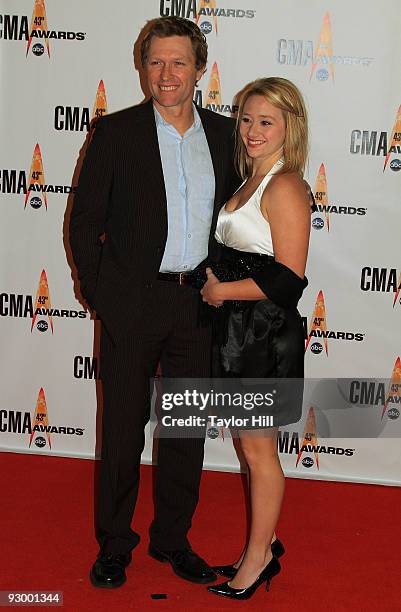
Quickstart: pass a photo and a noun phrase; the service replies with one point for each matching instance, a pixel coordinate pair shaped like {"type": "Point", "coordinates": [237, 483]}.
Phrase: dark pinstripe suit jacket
{"type": "Point", "coordinates": [121, 193]}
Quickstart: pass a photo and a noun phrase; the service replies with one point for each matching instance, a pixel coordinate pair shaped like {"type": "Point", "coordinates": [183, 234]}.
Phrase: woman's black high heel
{"type": "Point", "coordinates": [229, 571]}
{"type": "Point", "coordinates": [225, 590]}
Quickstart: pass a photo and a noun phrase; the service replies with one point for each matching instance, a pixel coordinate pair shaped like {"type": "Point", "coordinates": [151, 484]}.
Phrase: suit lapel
{"type": "Point", "coordinates": [216, 152]}
{"type": "Point", "coordinates": [147, 144]}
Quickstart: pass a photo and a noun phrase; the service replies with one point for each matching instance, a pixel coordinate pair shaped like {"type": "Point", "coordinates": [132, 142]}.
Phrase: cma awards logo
{"type": "Point", "coordinates": [308, 450]}
{"type": "Point", "coordinates": [317, 339]}
{"type": "Point", "coordinates": [43, 305]}
{"type": "Point", "coordinates": [373, 393]}
{"type": "Point", "coordinates": [38, 426]}
{"type": "Point", "coordinates": [395, 142]}
{"type": "Point", "coordinates": [41, 423]}
{"type": "Point", "coordinates": [37, 35]}
{"type": "Point", "coordinates": [212, 98]}
{"type": "Point", "coordinates": [372, 142]}
{"type": "Point", "coordinates": [37, 186]}
{"type": "Point", "coordinates": [40, 309]}
{"type": "Point", "coordinates": [309, 442]}
{"type": "Point", "coordinates": [321, 59]}
{"type": "Point", "coordinates": [206, 15]}
{"type": "Point", "coordinates": [77, 119]}
{"type": "Point", "coordinates": [321, 218]}
{"type": "Point", "coordinates": [37, 182]}
{"type": "Point", "coordinates": [32, 184]}
{"type": "Point", "coordinates": [383, 280]}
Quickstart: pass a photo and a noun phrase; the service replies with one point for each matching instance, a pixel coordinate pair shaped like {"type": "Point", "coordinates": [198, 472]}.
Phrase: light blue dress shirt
{"type": "Point", "coordinates": [190, 186]}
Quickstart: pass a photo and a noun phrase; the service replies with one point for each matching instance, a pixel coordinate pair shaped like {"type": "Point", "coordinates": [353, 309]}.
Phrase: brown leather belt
{"type": "Point", "coordinates": [182, 278]}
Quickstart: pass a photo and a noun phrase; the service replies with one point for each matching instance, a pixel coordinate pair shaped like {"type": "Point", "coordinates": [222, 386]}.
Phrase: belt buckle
{"type": "Point", "coordinates": [182, 278]}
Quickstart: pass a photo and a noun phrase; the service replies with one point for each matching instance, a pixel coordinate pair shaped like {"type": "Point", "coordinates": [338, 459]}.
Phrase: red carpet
{"type": "Point", "coordinates": [343, 542]}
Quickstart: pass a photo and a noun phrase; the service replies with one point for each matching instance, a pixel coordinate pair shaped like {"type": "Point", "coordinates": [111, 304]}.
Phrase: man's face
{"type": "Point", "coordinates": [171, 71]}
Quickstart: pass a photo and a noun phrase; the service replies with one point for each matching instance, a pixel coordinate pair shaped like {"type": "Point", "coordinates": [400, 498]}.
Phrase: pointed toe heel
{"type": "Point", "coordinates": [229, 571]}
{"type": "Point", "coordinates": [225, 590]}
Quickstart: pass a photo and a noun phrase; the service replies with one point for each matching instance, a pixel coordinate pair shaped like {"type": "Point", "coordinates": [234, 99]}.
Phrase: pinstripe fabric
{"type": "Point", "coordinates": [121, 193]}
{"type": "Point", "coordinates": [184, 350]}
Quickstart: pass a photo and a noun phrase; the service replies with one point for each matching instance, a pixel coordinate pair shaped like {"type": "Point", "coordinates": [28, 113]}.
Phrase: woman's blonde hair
{"type": "Point", "coordinates": [284, 95]}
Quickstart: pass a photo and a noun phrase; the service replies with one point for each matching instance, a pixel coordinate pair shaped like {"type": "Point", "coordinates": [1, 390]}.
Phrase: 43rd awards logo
{"type": "Point", "coordinates": [39, 310]}
{"type": "Point", "coordinates": [321, 199]}
{"type": "Point", "coordinates": [38, 28]}
{"type": "Point", "coordinates": [35, 31]}
{"type": "Point", "coordinates": [36, 181]}
{"type": "Point", "coordinates": [378, 144]}
{"type": "Point", "coordinates": [309, 442]}
{"type": "Point", "coordinates": [213, 95]}
{"type": "Point", "coordinates": [308, 448]}
{"type": "Point", "coordinates": [395, 144]}
{"type": "Point", "coordinates": [207, 13]}
{"type": "Point", "coordinates": [37, 425]}
{"type": "Point", "coordinates": [321, 58]}
{"type": "Point", "coordinates": [373, 393]}
{"type": "Point", "coordinates": [213, 91]}
{"type": "Point", "coordinates": [43, 305]}
{"type": "Point", "coordinates": [321, 218]}
{"type": "Point", "coordinates": [324, 53]}
{"type": "Point", "coordinates": [206, 26]}
{"type": "Point", "coordinates": [317, 339]}
{"type": "Point", "coordinates": [393, 398]}
{"type": "Point", "coordinates": [32, 184]}
{"type": "Point", "coordinates": [76, 118]}
{"type": "Point", "coordinates": [318, 327]}
{"type": "Point", "coordinates": [40, 423]}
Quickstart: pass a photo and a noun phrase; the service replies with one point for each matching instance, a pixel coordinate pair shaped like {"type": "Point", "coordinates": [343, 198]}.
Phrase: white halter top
{"type": "Point", "coordinates": [246, 229]}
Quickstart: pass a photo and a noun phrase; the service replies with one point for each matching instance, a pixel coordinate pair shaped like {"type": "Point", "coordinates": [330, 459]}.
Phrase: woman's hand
{"type": "Point", "coordinates": [208, 291]}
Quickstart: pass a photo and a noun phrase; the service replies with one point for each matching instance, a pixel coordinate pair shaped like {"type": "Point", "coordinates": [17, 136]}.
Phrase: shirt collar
{"type": "Point", "coordinates": [162, 122]}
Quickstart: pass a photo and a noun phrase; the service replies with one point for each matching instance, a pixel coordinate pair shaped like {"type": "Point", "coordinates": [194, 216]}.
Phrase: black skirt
{"type": "Point", "coordinates": [259, 340]}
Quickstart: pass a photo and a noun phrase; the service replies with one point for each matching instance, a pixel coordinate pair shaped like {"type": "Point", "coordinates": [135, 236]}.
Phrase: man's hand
{"type": "Point", "coordinates": [208, 291]}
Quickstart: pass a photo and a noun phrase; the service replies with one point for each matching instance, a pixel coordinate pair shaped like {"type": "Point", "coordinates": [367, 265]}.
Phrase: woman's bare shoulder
{"type": "Point", "coordinates": [287, 189]}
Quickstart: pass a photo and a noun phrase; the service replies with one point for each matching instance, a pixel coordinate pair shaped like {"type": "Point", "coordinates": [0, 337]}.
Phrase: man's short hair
{"type": "Point", "coordinates": [176, 26]}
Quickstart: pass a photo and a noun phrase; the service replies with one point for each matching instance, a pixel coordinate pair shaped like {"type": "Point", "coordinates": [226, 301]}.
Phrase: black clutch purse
{"type": "Point", "coordinates": [280, 284]}
{"type": "Point", "coordinates": [233, 266]}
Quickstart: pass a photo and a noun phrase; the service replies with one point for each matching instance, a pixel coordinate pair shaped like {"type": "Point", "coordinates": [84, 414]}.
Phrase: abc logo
{"type": "Point", "coordinates": [395, 165]}
{"type": "Point", "coordinates": [316, 348]}
{"type": "Point", "coordinates": [35, 202]}
{"type": "Point", "coordinates": [38, 49]}
{"type": "Point", "coordinates": [205, 27]}
{"type": "Point", "coordinates": [393, 413]}
{"type": "Point", "coordinates": [307, 462]}
{"type": "Point", "coordinates": [322, 74]}
{"type": "Point", "coordinates": [212, 433]}
{"type": "Point", "coordinates": [40, 442]}
{"type": "Point", "coordinates": [318, 223]}
{"type": "Point", "coordinates": [42, 326]}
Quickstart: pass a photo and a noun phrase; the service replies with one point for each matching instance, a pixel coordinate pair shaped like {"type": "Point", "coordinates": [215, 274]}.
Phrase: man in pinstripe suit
{"type": "Point", "coordinates": [153, 180]}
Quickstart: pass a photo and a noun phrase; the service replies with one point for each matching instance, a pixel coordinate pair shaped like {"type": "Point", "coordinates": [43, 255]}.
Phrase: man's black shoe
{"type": "Point", "coordinates": [108, 571]}
{"type": "Point", "coordinates": [185, 563]}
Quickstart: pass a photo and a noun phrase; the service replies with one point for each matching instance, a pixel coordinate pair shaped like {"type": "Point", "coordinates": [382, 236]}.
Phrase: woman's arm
{"type": "Point", "coordinates": [286, 207]}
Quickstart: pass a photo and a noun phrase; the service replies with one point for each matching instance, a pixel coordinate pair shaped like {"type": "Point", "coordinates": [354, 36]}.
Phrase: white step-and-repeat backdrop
{"type": "Point", "coordinates": [63, 63]}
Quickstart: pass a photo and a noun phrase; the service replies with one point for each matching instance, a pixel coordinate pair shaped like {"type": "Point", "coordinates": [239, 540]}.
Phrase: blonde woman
{"type": "Point", "coordinates": [264, 229]}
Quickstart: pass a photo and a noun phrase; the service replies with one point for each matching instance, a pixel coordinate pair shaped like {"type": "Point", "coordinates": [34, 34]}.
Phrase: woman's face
{"type": "Point", "coordinates": [262, 129]}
